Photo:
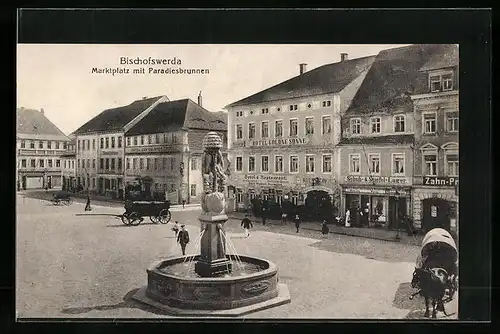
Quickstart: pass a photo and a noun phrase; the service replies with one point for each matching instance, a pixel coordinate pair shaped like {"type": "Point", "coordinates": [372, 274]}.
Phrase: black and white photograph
{"type": "Point", "coordinates": [275, 181]}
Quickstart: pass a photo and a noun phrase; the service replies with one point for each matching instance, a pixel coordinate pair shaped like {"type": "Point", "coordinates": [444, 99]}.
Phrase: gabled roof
{"type": "Point", "coordinates": [33, 123]}
{"type": "Point", "coordinates": [392, 78]}
{"type": "Point", "coordinates": [445, 55]}
{"type": "Point", "coordinates": [116, 118]}
{"type": "Point", "coordinates": [330, 78]}
{"type": "Point", "coordinates": [179, 114]}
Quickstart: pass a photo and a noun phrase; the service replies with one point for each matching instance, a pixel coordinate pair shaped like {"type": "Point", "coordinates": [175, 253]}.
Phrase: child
{"type": "Point", "coordinates": [324, 228]}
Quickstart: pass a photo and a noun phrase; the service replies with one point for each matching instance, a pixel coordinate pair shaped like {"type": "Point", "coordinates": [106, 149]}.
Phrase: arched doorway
{"type": "Point", "coordinates": [436, 214]}
{"type": "Point", "coordinates": [319, 205]}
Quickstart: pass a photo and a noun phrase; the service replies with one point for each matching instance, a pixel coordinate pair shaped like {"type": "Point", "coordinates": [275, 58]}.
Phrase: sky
{"type": "Point", "coordinates": [59, 78]}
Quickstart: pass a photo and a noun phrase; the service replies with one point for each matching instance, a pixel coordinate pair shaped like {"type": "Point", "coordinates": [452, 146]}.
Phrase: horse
{"type": "Point", "coordinates": [433, 284]}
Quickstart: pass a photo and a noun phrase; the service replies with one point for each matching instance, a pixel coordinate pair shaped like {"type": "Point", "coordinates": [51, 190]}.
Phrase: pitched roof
{"type": "Point", "coordinates": [389, 139]}
{"type": "Point", "coordinates": [330, 78]}
{"type": "Point", "coordinates": [178, 114]}
{"type": "Point", "coordinates": [445, 55]}
{"type": "Point", "coordinates": [392, 77]}
{"type": "Point", "coordinates": [33, 123]}
{"type": "Point", "coordinates": [116, 118]}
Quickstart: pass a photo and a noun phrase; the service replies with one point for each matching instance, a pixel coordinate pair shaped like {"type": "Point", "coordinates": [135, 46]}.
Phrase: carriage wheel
{"type": "Point", "coordinates": [125, 219]}
{"type": "Point", "coordinates": [55, 202]}
{"type": "Point", "coordinates": [153, 219]}
{"type": "Point", "coordinates": [135, 219]}
{"type": "Point", "coordinates": [70, 201]}
{"type": "Point", "coordinates": [164, 216]}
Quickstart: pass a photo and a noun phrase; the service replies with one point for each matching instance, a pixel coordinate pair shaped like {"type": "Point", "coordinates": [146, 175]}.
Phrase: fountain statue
{"type": "Point", "coordinates": [219, 283]}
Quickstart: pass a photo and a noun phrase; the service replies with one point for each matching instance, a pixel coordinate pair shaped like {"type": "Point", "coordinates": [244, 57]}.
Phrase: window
{"type": "Point", "coordinates": [398, 164]}
{"type": "Point", "coordinates": [119, 142]}
{"type": "Point", "coordinates": [429, 122]}
{"type": "Point", "coordinates": [278, 164]}
{"type": "Point", "coordinates": [107, 142]}
{"type": "Point", "coordinates": [194, 165]}
{"type": "Point", "coordinates": [294, 127]}
{"type": "Point", "coordinates": [40, 144]}
{"type": "Point", "coordinates": [430, 164]}
{"type": "Point", "coordinates": [265, 111]}
{"type": "Point", "coordinates": [239, 164]}
{"type": "Point", "coordinates": [157, 138]}
{"type": "Point", "coordinates": [278, 129]}
{"type": "Point", "coordinates": [32, 144]}
{"type": "Point", "coordinates": [354, 160]}
{"type": "Point", "coordinates": [135, 141]}
{"type": "Point", "coordinates": [399, 123]}
{"type": "Point", "coordinates": [141, 163]}
{"type": "Point", "coordinates": [355, 126]}
{"type": "Point", "coordinates": [107, 163]}
{"type": "Point", "coordinates": [327, 103]}
{"type": "Point", "coordinates": [101, 164]}
{"type": "Point", "coordinates": [193, 190]}
{"type": "Point", "coordinates": [49, 163]}
{"type": "Point", "coordinates": [326, 125]}
{"type": "Point", "coordinates": [41, 163]}
{"type": "Point", "coordinates": [327, 163]}
{"type": "Point", "coordinates": [33, 163]}
{"type": "Point", "coordinates": [251, 164]}
{"type": "Point", "coordinates": [239, 131]}
{"type": "Point", "coordinates": [23, 163]}
{"type": "Point", "coordinates": [88, 163]}
{"type": "Point", "coordinates": [172, 163]}
{"type": "Point", "coordinates": [93, 163]}
{"type": "Point", "coordinates": [57, 145]}
{"type": "Point", "coordinates": [452, 121]}
{"type": "Point", "coordinates": [265, 129]}
{"type": "Point", "coordinates": [93, 144]}
{"type": "Point", "coordinates": [442, 82]}
{"type": "Point", "coordinates": [452, 164]}
{"type": "Point", "coordinates": [119, 164]}
{"type": "Point", "coordinates": [293, 107]}
{"type": "Point", "coordinates": [102, 143]}
{"type": "Point", "coordinates": [264, 166]}
{"type": "Point", "coordinates": [294, 164]}
{"type": "Point", "coordinates": [165, 138]}
{"type": "Point", "coordinates": [93, 182]}
{"type": "Point", "coordinates": [128, 163]}
{"type": "Point", "coordinates": [113, 164]}
{"type": "Point", "coordinates": [447, 81]}
{"type": "Point", "coordinates": [375, 124]}
{"type": "Point", "coordinates": [150, 139]}
{"type": "Point", "coordinates": [435, 83]}
{"type": "Point", "coordinates": [309, 163]}
{"type": "Point", "coordinates": [49, 144]}
{"type": "Point", "coordinates": [134, 163]}
{"type": "Point", "coordinates": [309, 125]}
{"type": "Point", "coordinates": [142, 140]}
{"type": "Point", "coordinates": [251, 130]}
{"type": "Point", "coordinates": [23, 144]}
{"type": "Point", "coordinates": [88, 144]}
{"type": "Point", "coordinates": [112, 142]}
{"type": "Point", "coordinates": [374, 163]}
{"type": "Point", "coordinates": [239, 113]}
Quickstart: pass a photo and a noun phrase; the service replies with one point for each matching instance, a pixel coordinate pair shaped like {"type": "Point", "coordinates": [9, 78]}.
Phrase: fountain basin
{"type": "Point", "coordinates": [251, 288]}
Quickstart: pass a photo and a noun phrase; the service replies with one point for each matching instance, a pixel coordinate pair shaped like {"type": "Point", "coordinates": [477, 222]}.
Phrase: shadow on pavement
{"type": "Point", "coordinates": [127, 302]}
{"type": "Point", "coordinates": [402, 298]}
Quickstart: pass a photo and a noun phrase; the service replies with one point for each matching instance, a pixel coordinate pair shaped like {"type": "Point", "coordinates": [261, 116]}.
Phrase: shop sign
{"type": "Point", "coordinates": [109, 152]}
{"type": "Point", "coordinates": [263, 180]}
{"type": "Point", "coordinates": [375, 191]}
{"type": "Point", "coordinates": [440, 181]}
{"type": "Point", "coordinates": [279, 142]}
{"type": "Point", "coordinates": [238, 144]}
{"type": "Point", "coordinates": [378, 179]}
{"type": "Point", "coordinates": [153, 149]}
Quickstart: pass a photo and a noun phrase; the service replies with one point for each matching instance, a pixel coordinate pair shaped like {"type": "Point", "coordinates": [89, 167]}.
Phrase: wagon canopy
{"type": "Point", "coordinates": [62, 194]}
{"type": "Point", "coordinates": [440, 241]}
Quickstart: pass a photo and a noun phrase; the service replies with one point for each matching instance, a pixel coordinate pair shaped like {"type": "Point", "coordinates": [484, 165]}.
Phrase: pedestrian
{"type": "Point", "coordinates": [348, 218]}
{"type": "Point", "coordinates": [246, 223]}
{"type": "Point", "coordinates": [324, 228]}
{"type": "Point", "coordinates": [183, 238]}
{"type": "Point", "coordinates": [297, 222]}
{"type": "Point", "coordinates": [283, 218]}
{"type": "Point", "coordinates": [264, 214]}
{"type": "Point", "coordinates": [183, 202]}
{"type": "Point", "coordinates": [87, 206]}
{"type": "Point", "coordinates": [175, 228]}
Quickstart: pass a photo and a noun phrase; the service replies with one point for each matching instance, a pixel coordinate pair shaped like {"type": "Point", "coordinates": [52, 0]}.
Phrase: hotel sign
{"type": "Point", "coordinates": [279, 142]}
{"type": "Point", "coordinates": [263, 180]}
{"type": "Point", "coordinates": [450, 181]}
{"type": "Point", "coordinates": [378, 180]}
{"type": "Point", "coordinates": [153, 149]}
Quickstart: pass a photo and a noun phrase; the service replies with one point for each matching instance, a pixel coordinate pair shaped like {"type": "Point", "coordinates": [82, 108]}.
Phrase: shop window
{"type": "Point", "coordinates": [251, 130]}
{"type": "Point", "coordinates": [430, 164]}
{"type": "Point", "coordinates": [265, 129]}
{"type": "Point", "coordinates": [309, 125]}
{"type": "Point", "coordinates": [309, 163]}
{"type": "Point", "coordinates": [239, 164]}
{"type": "Point", "coordinates": [251, 164]}
{"type": "Point", "coordinates": [355, 126]}
{"type": "Point", "coordinates": [278, 164]}
{"type": "Point", "coordinates": [327, 163]}
{"type": "Point", "coordinates": [278, 129]}
{"type": "Point", "coordinates": [326, 125]}
{"type": "Point", "coordinates": [294, 164]}
{"type": "Point", "coordinates": [354, 164]}
{"type": "Point", "coordinates": [375, 124]}
{"type": "Point", "coordinates": [429, 120]}
{"type": "Point", "coordinates": [399, 123]}
{"type": "Point", "coordinates": [378, 209]}
{"type": "Point", "coordinates": [398, 163]}
{"type": "Point", "coordinates": [452, 164]}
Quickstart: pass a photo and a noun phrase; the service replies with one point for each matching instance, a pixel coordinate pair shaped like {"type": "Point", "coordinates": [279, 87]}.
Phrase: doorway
{"type": "Point", "coordinates": [319, 205]}
{"type": "Point", "coordinates": [435, 214]}
{"type": "Point", "coordinates": [397, 210]}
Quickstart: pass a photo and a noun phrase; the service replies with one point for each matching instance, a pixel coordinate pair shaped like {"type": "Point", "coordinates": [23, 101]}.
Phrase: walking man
{"type": "Point", "coordinates": [183, 202]}
{"type": "Point", "coordinates": [183, 238]}
{"type": "Point", "coordinates": [87, 206]}
{"type": "Point", "coordinates": [264, 214]}
{"type": "Point", "coordinates": [297, 222]}
{"type": "Point", "coordinates": [176, 228]}
{"type": "Point", "coordinates": [246, 223]}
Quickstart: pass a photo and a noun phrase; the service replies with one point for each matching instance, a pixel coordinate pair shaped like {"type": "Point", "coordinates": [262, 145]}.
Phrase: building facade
{"type": "Point", "coordinates": [436, 107]}
{"type": "Point", "coordinates": [100, 147]}
{"type": "Point", "coordinates": [39, 144]}
{"type": "Point", "coordinates": [68, 166]}
{"type": "Point", "coordinates": [282, 140]}
{"type": "Point", "coordinates": [165, 148]}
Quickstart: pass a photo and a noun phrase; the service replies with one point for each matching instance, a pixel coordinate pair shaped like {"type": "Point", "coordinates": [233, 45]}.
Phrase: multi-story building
{"type": "Point", "coordinates": [100, 149]}
{"type": "Point", "coordinates": [39, 145]}
{"type": "Point", "coordinates": [166, 147]}
{"type": "Point", "coordinates": [68, 165]}
{"type": "Point", "coordinates": [436, 107]}
{"type": "Point", "coordinates": [282, 140]}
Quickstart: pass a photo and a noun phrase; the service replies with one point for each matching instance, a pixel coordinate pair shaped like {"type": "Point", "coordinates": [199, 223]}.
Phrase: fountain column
{"type": "Point", "coordinates": [212, 260]}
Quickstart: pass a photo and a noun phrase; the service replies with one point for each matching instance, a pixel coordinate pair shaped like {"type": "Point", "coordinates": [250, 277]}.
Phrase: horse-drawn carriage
{"type": "Point", "coordinates": [62, 198]}
{"type": "Point", "coordinates": [436, 270]}
{"type": "Point", "coordinates": [158, 212]}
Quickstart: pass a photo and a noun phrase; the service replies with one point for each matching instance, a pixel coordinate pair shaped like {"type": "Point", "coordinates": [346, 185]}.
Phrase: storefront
{"type": "Point", "coordinates": [376, 201]}
{"type": "Point", "coordinates": [436, 204]}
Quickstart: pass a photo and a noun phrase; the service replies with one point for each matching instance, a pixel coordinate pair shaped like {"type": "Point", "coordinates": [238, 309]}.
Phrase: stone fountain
{"type": "Point", "coordinates": [220, 284]}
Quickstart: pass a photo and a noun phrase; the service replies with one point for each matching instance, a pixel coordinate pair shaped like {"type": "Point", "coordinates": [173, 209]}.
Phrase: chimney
{"type": "Point", "coordinates": [344, 56]}
{"type": "Point", "coordinates": [41, 111]}
{"type": "Point", "coordinates": [302, 68]}
{"type": "Point", "coordinates": [200, 98]}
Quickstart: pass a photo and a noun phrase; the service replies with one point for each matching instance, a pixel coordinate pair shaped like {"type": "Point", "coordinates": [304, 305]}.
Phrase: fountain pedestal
{"type": "Point", "coordinates": [212, 261]}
